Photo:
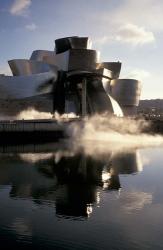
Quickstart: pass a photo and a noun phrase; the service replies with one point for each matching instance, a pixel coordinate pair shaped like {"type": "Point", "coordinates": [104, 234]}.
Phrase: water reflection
{"type": "Point", "coordinates": [71, 181]}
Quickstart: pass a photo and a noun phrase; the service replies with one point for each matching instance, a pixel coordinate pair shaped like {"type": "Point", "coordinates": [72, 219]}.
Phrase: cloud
{"type": "Point", "coordinates": [132, 34]}
{"type": "Point", "coordinates": [134, 201]}
{"type": "Point", "coordinates": [138, 74]}
{"type": "Point", "coordinates": [20, 7]}
{"type": "Point", "coordinates": [129, 12]}
{"type": "Point", "coordinates": [31, 27]}
{"type": "Point", "coordinates": [126, 25]}
{"type": "Point", "coordinates": [128, 33]}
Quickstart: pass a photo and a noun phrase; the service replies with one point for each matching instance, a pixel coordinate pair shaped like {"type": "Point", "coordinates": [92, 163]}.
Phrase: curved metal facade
{"type": "Point", "coordinates": [19, 87]}
{"type": "Point", "coordinates": [74, 42]}
{"type": "Point", "coordinates": [126, 91]}
{"type": "Point", "coordinates": [50, 60]}
{"type": "Point", "coordinates": [24, 67]}
{"type": "Point", "coordinates": [114, 67]}
{"type": "Point", "coordinates": [102, 91]}
{"type": "Point", "coordinates": [38, 55]}
{"type": "Point", "coordinates": [100, 100]}
{"type": "Point", "coordinates": [77, 59]}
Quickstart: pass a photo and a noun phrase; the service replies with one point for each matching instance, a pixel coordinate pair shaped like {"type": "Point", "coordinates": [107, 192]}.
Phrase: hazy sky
{"type": "Point", "coordinates": [130, 31]}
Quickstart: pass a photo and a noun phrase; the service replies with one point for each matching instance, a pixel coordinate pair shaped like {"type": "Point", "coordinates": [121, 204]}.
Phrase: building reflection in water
{"type": "Point", "coordinates": [73, 183]}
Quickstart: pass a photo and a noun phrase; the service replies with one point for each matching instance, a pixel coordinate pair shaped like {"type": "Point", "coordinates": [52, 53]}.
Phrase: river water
{"type": "Point", "coordinates": [53, 198]}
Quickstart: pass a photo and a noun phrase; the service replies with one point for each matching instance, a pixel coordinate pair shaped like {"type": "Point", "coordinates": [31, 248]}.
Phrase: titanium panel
{"type": "Point", "coordinates": [38, 55]}
{"type": "Point", "coordinates": [74, 42]}
{"type": "Point", "coordinates": [105, 81]}
{"type": "Point", "coordinates": [77, 59]}
{"type": "Point", "coordinates": [100, 101]}
{"type": "Point", "coordinates": [50, 60]}
{"type": "Point", "coordinates": [115, 67]}
{"type": "Point", "coordinates": [80, 42]}
{"type": "Point", "coordinates": [20, 67]}
{"type": "Point", "coordinates": [18, 87]}
{"type": "Point", "coordinates": [126, 91]}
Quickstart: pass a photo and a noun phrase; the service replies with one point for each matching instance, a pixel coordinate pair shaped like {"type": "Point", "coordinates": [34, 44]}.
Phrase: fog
{"type": "Point", "coordinates": [100, 134]}
{"type": "Point", "coordinates": [103, 133]}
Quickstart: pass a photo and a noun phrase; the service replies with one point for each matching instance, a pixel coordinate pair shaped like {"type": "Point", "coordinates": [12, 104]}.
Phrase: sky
{"type": "Point", "coordinates": [129, 31]}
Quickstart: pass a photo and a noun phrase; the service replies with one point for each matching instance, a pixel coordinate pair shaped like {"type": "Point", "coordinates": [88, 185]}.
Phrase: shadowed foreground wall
{"type": "Point", "coordinates": [42, 103]}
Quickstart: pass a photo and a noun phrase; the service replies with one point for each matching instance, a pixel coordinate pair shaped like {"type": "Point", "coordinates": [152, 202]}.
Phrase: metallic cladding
{"type": "Point", "coordinates": [38, 55]}
{"type": "Point", "coordinates": [74, 42]}
{"type": "Point", "coordinates": [24, 67]}
{"type": "Point", "coordinates": [19, 87]}
{"type": "Point", "coordinates": [72, 55]}
{"type": "Point", "coordinates": [126, 91]}
{"type": "Point", "coordinates": [115, 67]}
{"type": "Point", "coordinates": [77, 59]}
{"type": "Point", "coordinates": [99, 99]}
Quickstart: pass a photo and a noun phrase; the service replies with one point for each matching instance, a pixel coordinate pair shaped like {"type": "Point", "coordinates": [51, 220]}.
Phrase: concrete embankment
{"type": "Point", "coordinates": [21, 131]}
{"type": "Point", "coordinates": [48, 130]}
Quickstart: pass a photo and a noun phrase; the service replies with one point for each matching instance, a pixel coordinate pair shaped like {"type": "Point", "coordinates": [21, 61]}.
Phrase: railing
{"type": "Point", "coordinates": [29, 126]}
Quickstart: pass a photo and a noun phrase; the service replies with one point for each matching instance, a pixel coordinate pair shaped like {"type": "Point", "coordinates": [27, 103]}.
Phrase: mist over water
{"type": "Point", "coordinates": [100, 134]}
{"type": "Point", "coordinates": [97, 186]}
{"type": "Point", "coordinates": [31, 113]}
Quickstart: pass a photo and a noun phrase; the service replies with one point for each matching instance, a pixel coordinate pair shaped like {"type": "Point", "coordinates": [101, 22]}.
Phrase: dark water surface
{"type": "Point", "coordinates": [60, 200]}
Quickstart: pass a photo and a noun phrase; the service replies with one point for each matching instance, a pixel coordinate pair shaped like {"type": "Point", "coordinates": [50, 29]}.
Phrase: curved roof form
{"type": "Point", "coordinates": [18, 87]}
{"type": "Point", "coordinates": [100, 100]}
{"type": "Point", "coordinates": [38, 55]}
{"type": "Point", "coordinates": [126, 91]}
{"type": "Point", "coordinates": [116, 107]}
{"type": "Point", "coordinates": [77, 59]}
{"type": "Point", "coordinates": [24, 67]}
{"type": "Point", "coordinates": [115, 67]}
{"type": "Point", "coordinates": [76, 77]}
{"type": "Point", "coordinates": [74, 42]}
